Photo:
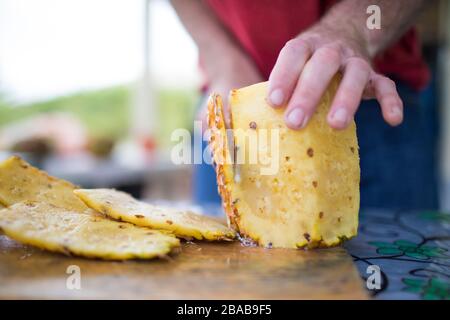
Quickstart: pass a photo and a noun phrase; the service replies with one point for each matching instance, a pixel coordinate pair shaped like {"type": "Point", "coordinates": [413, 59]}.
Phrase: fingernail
{"type": "Point", "coordinates": [396, 112]}
{"type": "Point", "coordinates": [276, 97]}
{"type": "Point", "coordinates": [340, 117]}
{"type": "Point", "coordinates": [295, 118]}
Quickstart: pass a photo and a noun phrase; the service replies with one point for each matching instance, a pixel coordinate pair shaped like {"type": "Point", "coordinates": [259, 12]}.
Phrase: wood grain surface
{"type": "Point", "coordinates": [197, 271]}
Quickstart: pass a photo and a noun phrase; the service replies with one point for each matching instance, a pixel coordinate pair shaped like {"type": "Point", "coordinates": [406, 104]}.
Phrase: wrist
{"type": "Point", "coordinates": [224, 64]}
{"type": "Point", "coordinates": [353, 27]}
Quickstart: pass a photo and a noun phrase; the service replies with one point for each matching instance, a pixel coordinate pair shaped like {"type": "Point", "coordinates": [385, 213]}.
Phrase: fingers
{"type": "Point", "coordinates": [391, 104]}
{"type": "Point", "coordinates": [349, 94]}
{"type": "Point", "coordinates": [313, 82]}
{"type": "Point", "coordinates": [302, 74]}
{"type": "Point", "coordinates": [286, 71]}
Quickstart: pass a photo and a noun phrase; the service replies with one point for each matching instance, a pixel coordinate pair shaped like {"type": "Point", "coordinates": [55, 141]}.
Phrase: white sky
{"type": "Point", "coordinates": [54, 47]}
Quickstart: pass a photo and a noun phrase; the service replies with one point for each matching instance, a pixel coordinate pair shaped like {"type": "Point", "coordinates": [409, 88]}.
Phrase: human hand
{"type": "Point", "coordinates": [235, 72]}
{"type": "Point", "coordinates": [306, 65]}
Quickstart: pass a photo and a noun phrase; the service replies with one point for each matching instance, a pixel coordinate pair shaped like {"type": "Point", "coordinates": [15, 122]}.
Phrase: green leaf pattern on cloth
{"type": "Point", "coordinates": [430, 289]}
{"type": "Point", "coordinates": [409, 249]}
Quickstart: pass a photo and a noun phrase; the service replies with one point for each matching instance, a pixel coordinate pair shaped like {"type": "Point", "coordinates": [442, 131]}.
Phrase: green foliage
{"type": "Point", "coordinates": [106, 112]}
{"type": "Point", "coordinates": [176, 110]}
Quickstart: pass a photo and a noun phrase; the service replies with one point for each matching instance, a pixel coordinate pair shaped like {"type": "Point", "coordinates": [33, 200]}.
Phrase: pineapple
{"type": "Point", "coordinates": [304, 189]}
{"type": "Point", "coordinates": [183, 223]}
{"type": "Point", "coordinates": [56, 229]}
{"type": "Point", "coordinates": [43, 211]}
{"type": "Point", "coordinates": [20, 181]}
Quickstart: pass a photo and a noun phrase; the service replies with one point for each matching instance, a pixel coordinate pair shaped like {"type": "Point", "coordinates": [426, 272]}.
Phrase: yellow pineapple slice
{"type": "Point", "coordinates": [311, 197]}
{"type": "Point", "coordinates": [185, 224]}
{"type": "Point", "coordinates": [56, 229]}
{"type": "Point", "coordinates": [19, 181]}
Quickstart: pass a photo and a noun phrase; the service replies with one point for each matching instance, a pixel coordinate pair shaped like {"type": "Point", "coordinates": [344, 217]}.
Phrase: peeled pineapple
{"type": "Point", "coordinates": [43, 211]}
{"type": "Point", "coordinates": [57, 229]}
{"type": "Point", "coordinates": [303, 190]}
{"type": "Point", "coordinates": [19, 181]}
{"type": "Point", "coordinates": [183, 223]}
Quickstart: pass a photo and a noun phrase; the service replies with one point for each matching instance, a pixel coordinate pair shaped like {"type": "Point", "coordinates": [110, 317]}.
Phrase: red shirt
{"type": "Point", "coordinates": [262, 27]}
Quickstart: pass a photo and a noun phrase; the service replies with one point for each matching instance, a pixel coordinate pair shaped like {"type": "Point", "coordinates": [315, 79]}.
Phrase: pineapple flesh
{"type": "Point", "coordinates": [20, 181]}
{"type": "Point", "coordinates": [183, 223]}
{"type": "Point", "coordinates": [62, 230]}
{"type": "Point", "coordinates": [43, 211]}
{"type": "Point", "coordinates": [311, 198]}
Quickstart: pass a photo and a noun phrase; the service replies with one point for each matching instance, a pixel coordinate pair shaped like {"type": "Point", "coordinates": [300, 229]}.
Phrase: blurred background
{"type": "Point", "coordinates": [90, 91]}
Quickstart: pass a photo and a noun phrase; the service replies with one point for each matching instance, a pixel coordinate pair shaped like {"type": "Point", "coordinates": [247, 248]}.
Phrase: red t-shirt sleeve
{"type": "Point", "coordinates": [262, 27]}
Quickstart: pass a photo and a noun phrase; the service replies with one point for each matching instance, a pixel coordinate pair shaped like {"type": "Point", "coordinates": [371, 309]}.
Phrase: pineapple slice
{"type": "Point", "coordinates": [185, 224]}
{"type": "Point", "coordinates": [56, 229]}
{"type": "Point", "coordinates": [44, 212]}
{"type": "Point", "coordinates": [20, 181]}
{"type": "Point", "coordinates": [303, 190]}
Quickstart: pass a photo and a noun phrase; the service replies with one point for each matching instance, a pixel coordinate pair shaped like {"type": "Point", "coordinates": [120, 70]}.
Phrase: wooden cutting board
{"type": "Point", "coordinates": [198, 271]}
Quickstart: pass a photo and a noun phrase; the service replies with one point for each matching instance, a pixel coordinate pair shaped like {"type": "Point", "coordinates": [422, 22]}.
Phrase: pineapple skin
{"type": "Point", "coordinates": [313, 199]}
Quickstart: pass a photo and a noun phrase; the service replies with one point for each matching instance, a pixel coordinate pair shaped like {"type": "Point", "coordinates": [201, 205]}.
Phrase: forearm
{"type": "Point", "coordinates": [213, 41]}
{"type": "Point", "coordinates": [350, 16]}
